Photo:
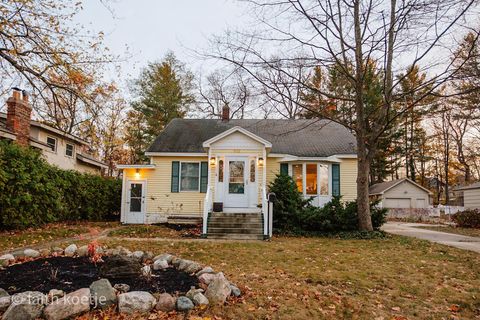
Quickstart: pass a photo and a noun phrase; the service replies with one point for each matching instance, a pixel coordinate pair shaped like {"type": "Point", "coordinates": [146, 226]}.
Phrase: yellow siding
{"type": "Point", "coordinates": [159, 200]}
{"type": "Point", "coordinates": [348, 179]}
{"type": "Point", "coordinates": [273, 168]}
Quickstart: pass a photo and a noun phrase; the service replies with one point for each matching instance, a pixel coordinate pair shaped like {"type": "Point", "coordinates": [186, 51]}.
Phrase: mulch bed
{"type": "Point", "coordinates": [70, 274]}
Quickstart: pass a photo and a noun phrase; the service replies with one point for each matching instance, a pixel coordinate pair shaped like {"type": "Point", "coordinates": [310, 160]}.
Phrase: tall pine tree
{"type": "Point", "coordinates": [163, 92]}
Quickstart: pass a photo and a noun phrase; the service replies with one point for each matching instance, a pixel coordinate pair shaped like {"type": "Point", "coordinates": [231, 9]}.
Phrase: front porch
{"type": "Point", "coordinates": [236, 204]}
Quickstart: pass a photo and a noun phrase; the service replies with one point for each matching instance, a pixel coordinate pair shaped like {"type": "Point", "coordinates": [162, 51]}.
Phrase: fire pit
{"type": "Point", "coordinates": [65, 284]}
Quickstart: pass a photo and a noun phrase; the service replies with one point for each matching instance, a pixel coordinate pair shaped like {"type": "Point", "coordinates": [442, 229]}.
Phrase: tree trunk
{"type": "Point", "coordinates": [363, 202]}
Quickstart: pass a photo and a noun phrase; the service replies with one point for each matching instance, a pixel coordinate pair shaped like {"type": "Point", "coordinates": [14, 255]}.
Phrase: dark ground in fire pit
{"type": "Point", "coordinates": [69, 274]}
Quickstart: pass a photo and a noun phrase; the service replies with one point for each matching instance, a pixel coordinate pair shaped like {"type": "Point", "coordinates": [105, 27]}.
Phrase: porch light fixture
{"type": "Point", "coordinates": [260, 161]}
{"type": "Point", "coordinates": [137, 174]}
{"type": "Point", "coordinates": [212, 161]}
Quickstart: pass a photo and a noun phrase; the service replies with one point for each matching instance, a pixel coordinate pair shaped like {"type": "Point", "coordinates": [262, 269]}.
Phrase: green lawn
{"type": "Point", "coordinates": [472, 232]}
{"type": "Point", "coordinates": [35, 236]}
{"type": "Point", "coordinates": [156, 231]}
{"type": "Point", "coordinates": [318, 278]}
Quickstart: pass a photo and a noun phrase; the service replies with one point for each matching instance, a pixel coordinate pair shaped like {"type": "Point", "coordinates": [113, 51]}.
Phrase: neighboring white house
{"type": "Point", "coordinates": [471, 196]}
{"type": "Point", "coordinates": [402, 193]}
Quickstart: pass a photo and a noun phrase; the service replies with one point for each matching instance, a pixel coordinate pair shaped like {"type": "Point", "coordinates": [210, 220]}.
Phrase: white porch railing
{"type": "Point", "coordinates": [267, 212]}
{"type": "Point", "coordinates": [207, 208]}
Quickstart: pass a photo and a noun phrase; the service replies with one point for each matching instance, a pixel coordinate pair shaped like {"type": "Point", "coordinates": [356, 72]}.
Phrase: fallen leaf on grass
{"type": "Point", "coordinates": [454, 308]}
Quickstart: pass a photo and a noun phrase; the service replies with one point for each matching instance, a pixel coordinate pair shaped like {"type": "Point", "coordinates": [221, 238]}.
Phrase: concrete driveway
{"type": "Point", "coordinates": [449, 239]}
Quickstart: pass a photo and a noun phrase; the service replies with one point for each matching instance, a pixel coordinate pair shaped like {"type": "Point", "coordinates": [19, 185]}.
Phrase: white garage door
{"type": "Point", "coordinates": [397, 203]}
{"type": "Point", "coordinates": [421, 203]}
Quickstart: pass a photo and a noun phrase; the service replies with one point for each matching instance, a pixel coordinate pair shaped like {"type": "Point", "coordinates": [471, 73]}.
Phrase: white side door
{"type": "Point", "coordinates": [236, 182]}
{"type": "Point", "coordinates": [135, 213]}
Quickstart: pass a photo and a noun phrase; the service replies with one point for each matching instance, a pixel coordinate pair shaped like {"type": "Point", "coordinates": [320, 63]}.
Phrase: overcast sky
{"type": "Point", "coordinates": [150, 28]}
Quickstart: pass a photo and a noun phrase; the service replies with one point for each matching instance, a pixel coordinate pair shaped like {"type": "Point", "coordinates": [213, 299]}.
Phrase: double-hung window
{"type": "Point", "coordinates": [69, 150]}
{"type": "Point", "coordinates": [189, 176]}
{"type": "Point", "coordinates": [52, 143]}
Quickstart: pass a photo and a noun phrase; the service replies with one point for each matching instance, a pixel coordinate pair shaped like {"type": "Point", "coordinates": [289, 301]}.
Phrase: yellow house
{"type": "Point", "coordinates": [217, 172]}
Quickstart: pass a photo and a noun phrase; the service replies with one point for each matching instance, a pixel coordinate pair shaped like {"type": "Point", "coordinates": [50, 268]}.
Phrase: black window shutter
{"type": "Point", "coordinates": [336, 179]}
{"type": "Point", "coordinates": [284, 168]}
{"type": "Point", "coordinates": [175, 175]}
{"type": "Point", "coordinates": [204, 177]}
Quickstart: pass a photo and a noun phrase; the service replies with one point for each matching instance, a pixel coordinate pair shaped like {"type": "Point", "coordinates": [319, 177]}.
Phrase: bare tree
{"type": "Point", "coordinates": [224, 88]}
{"type": "Point", "coordinates": [286, 99]}
{"type": "Point", "coordinates": [349, 35]}
{"type": "Point", "coordinates": [42, 52]}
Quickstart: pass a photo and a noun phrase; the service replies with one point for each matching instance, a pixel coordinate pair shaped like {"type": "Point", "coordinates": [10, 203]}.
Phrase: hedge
{"type": "Point", "coordinates": [294, 214]}
{"type": "Point", "coordinates": [33, 193]}
{"type": "Point", "coordinates": [467, 219]}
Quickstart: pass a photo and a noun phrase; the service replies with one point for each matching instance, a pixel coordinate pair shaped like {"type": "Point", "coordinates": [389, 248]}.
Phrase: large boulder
{"type": "Point", "coordinates": [55, 294]}
{"type": "Point", "coordinates": [30, 253]}
{"type": "Point", "coordinates": [235, 290]}
{"type": "Point", "coordinates": [25, 306]}
{"type": "Point", "coordinates": [70, 306]}
{"type": "Point", "coordinates": [204, 270]}
{"type": "Point", "coordinates": [71, 250]}
{"type": "Point", "coordinates": [192, 292]}
{"type": "Point", "coordinates": [138, 255]}
{"type": "Point", "coordinates": [160, 265]}
{"type": "Point", "coordinates": [165, 302]}
{"type": "Point", "coordinates": [218, 291]}
{"type": "Point", "coordinates": [165, 256]}
{"type": "Point", "coordinates": [189, 266]}
{"type": "Point", "coordinates": [5, 303]}
{"type": "Point", "coordinates": [3, 293]}
{"type": "Point", "coordinates": [207, 278]}
{"type": "Point", "coordinates": [103, 294]}
{"type": "Point", "coordinates": [82, 251]}
{"type": "Point", "coordinates": [120, 267]}
{"type": "Point", "coordinates": [200, 300]}
{"type": "Point", "coordinates": [184, 304]}
{"type": "Point", "coordinates": [136, 301]}
{"type": "Point", "coordinates": [6, 259]}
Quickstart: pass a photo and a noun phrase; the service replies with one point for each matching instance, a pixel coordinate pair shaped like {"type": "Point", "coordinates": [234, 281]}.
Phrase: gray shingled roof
{"type": "Point", "coordinates": [475, 185]}
{"type": "Point", "coordinates": [382, 186]}
{"type": "Point", "coordinates": [304, 138]}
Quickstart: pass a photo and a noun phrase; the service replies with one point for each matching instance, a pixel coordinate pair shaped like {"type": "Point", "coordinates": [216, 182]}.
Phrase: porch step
{"type": "Point", "coordinates": [230, 230]}
{"type": "Point", "coordinates": [254, 225]}
{"type": "Point", "coordinates": [236, 236]}
{"type": "Point", "coordinates": [241, 226]}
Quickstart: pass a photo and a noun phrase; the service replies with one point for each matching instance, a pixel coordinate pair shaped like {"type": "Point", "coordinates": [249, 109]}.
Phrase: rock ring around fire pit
{"type": "Point", "coordinates": [80, 279]}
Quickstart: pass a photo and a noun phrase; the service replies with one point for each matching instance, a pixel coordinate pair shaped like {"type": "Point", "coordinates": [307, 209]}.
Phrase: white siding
{"type": "Point", "coordinates": [472, 199]}
{"type": "Point", "coordinates": [406, 195]}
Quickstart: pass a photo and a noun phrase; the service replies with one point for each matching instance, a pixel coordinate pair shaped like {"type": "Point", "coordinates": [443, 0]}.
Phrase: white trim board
{"type": "Point", "coordinates": [176, 154]}
{"type": "Point", "coordinates": [208, 143]}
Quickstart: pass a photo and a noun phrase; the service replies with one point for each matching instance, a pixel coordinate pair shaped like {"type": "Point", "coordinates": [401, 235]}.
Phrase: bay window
{"type": "Point", "coordinates": [297, 175]}
{"type": "Point", "coordinates": [312, 178]}
{"type": "Point", "coordinates": [324, 178]}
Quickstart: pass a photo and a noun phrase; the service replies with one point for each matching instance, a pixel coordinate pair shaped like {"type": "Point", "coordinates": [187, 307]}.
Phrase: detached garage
{"type": "Point", "coordinates": [402, 193]}
{"type": "Point", "coordinates": [471, 196]}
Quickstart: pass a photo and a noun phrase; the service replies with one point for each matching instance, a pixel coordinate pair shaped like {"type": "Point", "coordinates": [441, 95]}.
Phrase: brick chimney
{"type": "Point", "coordinates": [18, 116]}
{"type": "Point", "coordinates": [225, 113]}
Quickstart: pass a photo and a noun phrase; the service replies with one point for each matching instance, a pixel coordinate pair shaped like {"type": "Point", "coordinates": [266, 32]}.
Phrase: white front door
{"type": "Point", "coordinates": [135, 212]}
{"type": "Point", "coordinates": [236, 186]}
